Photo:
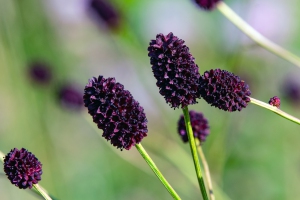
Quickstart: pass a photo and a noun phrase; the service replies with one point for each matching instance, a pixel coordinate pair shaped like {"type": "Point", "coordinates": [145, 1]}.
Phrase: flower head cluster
{"type": "Point", "coordinates": [224, 90]}
{"type": "Point", "coordinates": [70, 97]}
{"type": "Point", "coordinates": [275, 101]}
{"type": "Point", "coordinates": [199, 125]}
{"type": "Point", "coordinates": [291, 89]}
{"type": "Point", "coordinates": [106, 12]}
{"type": "Point", "coordinates": [22, 168]}
{"type": "Point", "coordinates": [40, 73]}
{"type": "Point", "coordinates": [207, 4]}
{"type": "Point", "coordinates": [114, 110]}
{"type": "Point", "coordinates": [175, 70]}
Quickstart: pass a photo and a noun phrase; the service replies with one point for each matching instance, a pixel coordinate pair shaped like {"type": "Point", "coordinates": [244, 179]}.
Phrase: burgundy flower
{"type": "Point", "coordinates": [70, 96]}
{"type": "Point", "coordinates": [291, 89]}
{"type": "Point", "coordinates": [207, 4]}
{"type": "Point", "coordinates": [224, 90]}
{"type": "Point", "coordinates": [114, 110]}
{"type": "Point", "coordinates": [106, 12]}
{"type": "Point", "coordinates": [199, 125]}
{"type": "Point", "coordinates": [175, 70]}
{"type": "Point", "coordinates": [22, 168]}
{"type": "Point", "coordinates": [275, 101]}
{"type": "Point", "coordinates": [40, 73]}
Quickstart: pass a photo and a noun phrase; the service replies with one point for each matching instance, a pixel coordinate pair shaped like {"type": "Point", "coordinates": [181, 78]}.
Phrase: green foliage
{"type": "Point", "coordinates": [251, 154]}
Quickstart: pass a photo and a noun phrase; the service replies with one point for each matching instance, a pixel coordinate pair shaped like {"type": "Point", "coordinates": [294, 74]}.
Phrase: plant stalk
{"type": "Point", "coordinates": [42, 191]}
{"type": "Point", "coordinates": [256, 36]}
{"type": "Point", "coordinates": [275, 110]}
{"type": "Point", "coordinates": [192, 143]}
{"type": "Point", "coordinates": [156, 171]}
{"type": "Point", "coordinates": [206, 171]}
{"type": "Point", "coordinates": [146, 157]}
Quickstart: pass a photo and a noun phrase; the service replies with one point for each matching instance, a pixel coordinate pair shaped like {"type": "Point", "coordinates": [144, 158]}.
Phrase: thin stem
{"type": "Point", "coordinates": [144, 154]}
{"type": "Point", "coordinates": [190, 134]}
{"type": "Point", "coordinates": [255, 36]}
{"type": "Point", "coordinates": [123, 156]}
{"type": "Point", "coordinates": [275, 110]}
{"type": "Point", "coordinates": [206, 170]}
{"type": "Point", "coordinates": [42, 191]}
{"type": "Point", "coordinates": [156, 171]}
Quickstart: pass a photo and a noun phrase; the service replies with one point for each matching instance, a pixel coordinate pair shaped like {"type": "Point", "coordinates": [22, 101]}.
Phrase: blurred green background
{"type": "Point", "coordinates": [252, 154]}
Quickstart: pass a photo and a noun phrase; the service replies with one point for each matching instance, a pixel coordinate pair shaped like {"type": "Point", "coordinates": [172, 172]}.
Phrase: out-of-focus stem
{"type": "Point", "coordinates": [256, 36]}
{"type": "Point", "coordinates": [190, 134]}
{"type": "Point", "coordinates": [206, 171]}
{"type": "Point", "coordinates": [275, 110]}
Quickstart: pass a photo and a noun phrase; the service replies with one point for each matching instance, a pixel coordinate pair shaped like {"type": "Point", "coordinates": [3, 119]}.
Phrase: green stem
{"type": "Point", "coordinates": [206, 171]}
{"type": "Point", "coordinates": [156, 171]}
{"type": "Point", "coordinates": [42, 191]}
{"type": "Point", "coordinates": [255, 36]}
{"type": "Point", "coordinates": [190, 134]}
{"type": "Point", "coordinates": [125, 157]}
{"type": "Point", "coordinates": [144, 154]}
{"type": "Point", "coordinates": [275, 110]}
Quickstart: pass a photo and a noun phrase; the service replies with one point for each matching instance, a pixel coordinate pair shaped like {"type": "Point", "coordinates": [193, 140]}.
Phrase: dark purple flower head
{"type": "Point", "coordinates": [105, 12]}
{"type": "Point", "coordinates": [70, 96]}
{"type": "Point", "coordinates": [224, 90]}
{"type": "Point", "coordinates": [207, 4]}
{"type": "Point", "coordinates": [291, 89]}
{"type": "Point", "coordinates": [22, 168]}
{"type": "Point", "coordinates": [175, 70]}
{"type": "Point", "coordinates": [114, 110]}
{"type": "Point", "coordinates": [199, 125]}
{"type": "Point", "coordinates": [275, 101]}
{"type": "Point", "coordinates": [40, 73]}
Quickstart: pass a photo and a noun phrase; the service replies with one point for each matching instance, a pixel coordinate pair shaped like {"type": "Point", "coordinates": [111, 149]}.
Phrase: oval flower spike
{"type": "Point", "coordinates": [224, 90]}
{"type": "Point", "coordinates": [116, 112]}
{"type": "Point", "coordinates": [22, 168]}
{"type": "Point", "coordinates": [175, 70]}
{"type": "Point", "coordinates": [199, 125]}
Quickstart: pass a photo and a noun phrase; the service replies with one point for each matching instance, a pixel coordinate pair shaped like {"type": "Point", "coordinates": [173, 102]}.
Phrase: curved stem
{"type": "Point", "coordinates": [256, 36]}
{"type": "Point", "coordinates": [156, 171]}
{"type": "Point", "coordinates": [42, 191]}
{"type": "Point", "coordinates": [275, 110]}
{"type": "Point", "coordinates": [206, 170]}
{"type": "Point", "coordinates": [190, 134]}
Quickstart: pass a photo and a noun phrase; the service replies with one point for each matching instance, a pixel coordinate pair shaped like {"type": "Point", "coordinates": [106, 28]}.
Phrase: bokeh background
{"type": "Point", "coordinates": [252, 154]}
